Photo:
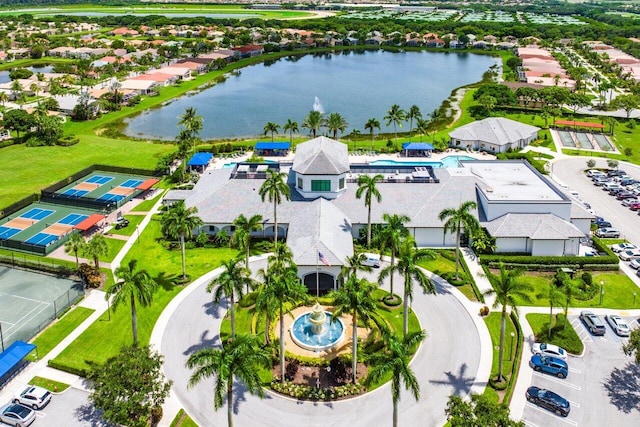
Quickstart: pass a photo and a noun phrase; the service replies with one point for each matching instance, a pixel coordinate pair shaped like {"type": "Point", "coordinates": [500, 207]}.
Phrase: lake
{"type": "Point", "coordinates": [358, 85]}
{"type": "Point", "coordinates": [4, 75]}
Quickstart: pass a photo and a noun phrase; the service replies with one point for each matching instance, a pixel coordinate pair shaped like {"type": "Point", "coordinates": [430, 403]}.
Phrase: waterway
{"type": "Point", "coordinates": [358, 85]}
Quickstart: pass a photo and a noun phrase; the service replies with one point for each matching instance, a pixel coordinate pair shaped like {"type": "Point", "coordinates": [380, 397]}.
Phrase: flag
{"type": "Point", "coordinates": [323, 259]}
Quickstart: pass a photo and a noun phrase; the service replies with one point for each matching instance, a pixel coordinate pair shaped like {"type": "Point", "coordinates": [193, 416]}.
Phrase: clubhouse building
{"type": "Point", "coordinates": [521, 208]}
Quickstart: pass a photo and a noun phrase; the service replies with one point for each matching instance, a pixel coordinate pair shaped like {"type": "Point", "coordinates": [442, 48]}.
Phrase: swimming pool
{"type": "Point", "coordinates": [447, 162]}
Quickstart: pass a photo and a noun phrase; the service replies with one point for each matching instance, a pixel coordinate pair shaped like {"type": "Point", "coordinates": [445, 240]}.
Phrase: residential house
{"type": "Point", "coordinates": [493, 135]}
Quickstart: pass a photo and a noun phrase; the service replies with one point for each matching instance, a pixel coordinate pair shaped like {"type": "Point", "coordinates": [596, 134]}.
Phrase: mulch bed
{"type": "Point", "coordinates": [315, 376]}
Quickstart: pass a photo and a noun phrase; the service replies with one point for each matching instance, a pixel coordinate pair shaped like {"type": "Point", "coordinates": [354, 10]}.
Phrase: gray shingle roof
{"type": "Point", "coordinates": [534, 226]}
{"type": "Point", "coordinates": [494, 130]}
{"type": "Point", "coordinates": [321, 156]}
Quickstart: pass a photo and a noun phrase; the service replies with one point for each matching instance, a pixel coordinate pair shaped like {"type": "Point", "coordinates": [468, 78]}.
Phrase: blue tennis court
{"type": "Point", "coordinates": [7, 232]}
{"type": "Point", "coordinates": [74, 193]}
{"type": "Point", "coordinates": [99, 179]}
{"type": "Point", "coordinates": [73, 219]}
{"type": "Point", "coordinates": [41, 239]}
{"type": "Point", "coordinates": [131, 183]}
{"type": "Point", "coordinates": [37, 214]}
{"type": "Point", "coordinates": [111, 197]}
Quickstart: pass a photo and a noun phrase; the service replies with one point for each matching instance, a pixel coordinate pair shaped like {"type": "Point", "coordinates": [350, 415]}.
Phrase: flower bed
{"type": "Point", "coordinates": [300, 391]}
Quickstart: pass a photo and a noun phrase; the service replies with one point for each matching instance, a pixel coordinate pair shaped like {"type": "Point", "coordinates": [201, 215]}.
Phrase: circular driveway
{"type": "Point", "coordinates": [448, 362]}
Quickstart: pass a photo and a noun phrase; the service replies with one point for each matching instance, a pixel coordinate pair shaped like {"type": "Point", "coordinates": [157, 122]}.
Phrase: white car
{"type": "Point", "coordinates": [623, 247]}
{"type": "Point", "coordinates": [34, 397]}
{"type": "Point", "coordinates": [635, 264]}
{"type": "Point", "coordinates": [618, 325]}
{"type": "Point", "coordinates": [549, 349]}
{"type": "Point", "coordinates": [629, 254]}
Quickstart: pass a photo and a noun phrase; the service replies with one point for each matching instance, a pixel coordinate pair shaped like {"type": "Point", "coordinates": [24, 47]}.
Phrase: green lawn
{"type": "Point", "coordinates": [114, 245]}
{"type": "Point", "coordinates": [493, 324]}
{"type": "Point", "coordinates": [561, 335]}
{"type": "Point", "coordinates": [442, 265]}
{"type": "Point", "coordinates": [51, 385]}
{"type": "Point", "coordinates": [183, 420]}
{"type": "Point", "coordinates": [134, 220]}
{"type": "Point", "coordinates": [146, 205]}
{"type": "Point", "coordinates": [52, 336]}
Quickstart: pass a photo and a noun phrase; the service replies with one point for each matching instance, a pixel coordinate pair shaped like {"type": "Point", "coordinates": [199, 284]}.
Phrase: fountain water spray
{"type": "Point", "coordinates": [317, 106]}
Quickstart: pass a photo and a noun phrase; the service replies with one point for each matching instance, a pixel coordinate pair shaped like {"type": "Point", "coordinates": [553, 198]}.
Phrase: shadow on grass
{"type": "Point", "coordinates": [623, 388]}
{"type": "Point", "coordinates": [166, 282]}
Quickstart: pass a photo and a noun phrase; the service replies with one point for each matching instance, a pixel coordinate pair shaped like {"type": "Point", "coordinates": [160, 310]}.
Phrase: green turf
{"type": "Point", "coordinates": [146, 205]}
{"type": "Point", "coordinates": [493, 321]}
{"type": "Point", "coordinates": [183, 420]}
{"type": "Point", "coordinates": [561, 335]}
{"type": "Point", "coordinates": [51, 385]}
{"type": "Point", "coordinates": [54, 334]}
{"type": "Point", "coordinates": [115, 246]}
{"type": "Point", "coordinates": [130, 229]}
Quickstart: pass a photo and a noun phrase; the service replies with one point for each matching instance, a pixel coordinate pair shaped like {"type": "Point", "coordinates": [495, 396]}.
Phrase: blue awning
{"type": "Point", "coordinates": [200, 159]}
{"type": "Point", "coordinates": [13, 355]}
{"type": "Point", "coordinates": [272, 146]}
{"type": "Point", "coordinates": [417, 146]}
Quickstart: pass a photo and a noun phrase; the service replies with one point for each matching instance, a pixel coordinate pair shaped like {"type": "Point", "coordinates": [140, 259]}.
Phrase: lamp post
{"type": "Point", "coordinates": [601, 291]}
{"type": "Point", "coordinates": [634, 298]}
{"type": "Point", "coordinates": [513, 334]}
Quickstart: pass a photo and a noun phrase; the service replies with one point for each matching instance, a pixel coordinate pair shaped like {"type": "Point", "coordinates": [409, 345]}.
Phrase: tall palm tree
{"type": "Point", "coordinates": [95, 248]}
{"type": "Point", "coordinates": [132, 286]}
{"type": "Point", "coordinates": [372, 124]}
{"type": "Point", "coordinates": [192, 123]}
{"type": "Point", "coordinates": [336, 123]}
{"type": "Point", "coordinates": [272, 128]}
{"type": "Point", "coordinates": [241, 358]}
{"type": "Point", "coordinates": [508, 292]}
{"type": "Point", "coordinates": [275, 189]}
{"type": "Point", "coordinates": [266, 304]}
{"type": "Point", "coordinates": [313, 122]}
{"type": "Point", "coordinates": [456, 219]}
{"type": "Point", "coordinates": [394, 361]}
{"type": "Point", "coordinates": [409, 256]}
{"type": "Point", "coordinates": [353, 264]}
{"type": "Point", "coordinates": [177, 222]}
{"type": "Point", "coordinates": [423, 126]}
{"type": "Point", "coordinates": [390, 236]}
{"type": "Point", "coordinates": [414, 113]}
{"type": "Point", "coordinates": [75, 244]}
{"type": "Point", "coordinates": [354, 298]}
{"type": "Point", "coordinates": [3, 98]}
{"type": "Point", "coordinates": [242, 234]}
{"type": "Point", "coordinates": [555, 297]}
{"type": "Point", "coordinates": [290, 127]}
{"type": "Point", "coordinates": [367, 188]}
{"type": "Point", "coordinates": [229, 284]}
{"type": "Point", "coordinates": [395, 115]}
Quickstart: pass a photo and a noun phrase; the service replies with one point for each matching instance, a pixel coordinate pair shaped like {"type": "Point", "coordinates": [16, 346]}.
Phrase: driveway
{"type": "Point", "coordinates": [70, 409]}
{"type": "Point", "coordinates": [447, 362]}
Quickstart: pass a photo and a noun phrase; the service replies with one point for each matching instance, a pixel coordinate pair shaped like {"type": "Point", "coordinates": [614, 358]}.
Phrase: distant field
{"type": "Point", "coordinates": [186, 10]}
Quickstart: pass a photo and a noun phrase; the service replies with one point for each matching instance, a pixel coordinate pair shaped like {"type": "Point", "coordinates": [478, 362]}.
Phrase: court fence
{"type": "Point", "coordinates": [38, 265]}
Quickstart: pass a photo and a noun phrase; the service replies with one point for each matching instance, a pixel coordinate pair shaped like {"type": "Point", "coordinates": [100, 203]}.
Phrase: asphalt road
{"type": "Point", "coordinates": [446, 363]}
{"type": "Point", "coordinates": [69, 409]}
{"type": "Point", "coordinates": [570, 172]}
{"type": "Point", "coordinates": [602, 385]}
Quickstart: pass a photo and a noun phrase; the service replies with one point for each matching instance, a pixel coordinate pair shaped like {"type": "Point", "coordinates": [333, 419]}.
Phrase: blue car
{"type": "Point", "coordinates": [550, 365]}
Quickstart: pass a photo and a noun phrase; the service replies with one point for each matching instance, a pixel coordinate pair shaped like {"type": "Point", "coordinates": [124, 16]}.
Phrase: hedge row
{"type": "Point", "coordinates": [550, 261]}
{"type": "Point", "coordinates": [552, 267]}
{"type": "Point", "coordinates": [75, 371]}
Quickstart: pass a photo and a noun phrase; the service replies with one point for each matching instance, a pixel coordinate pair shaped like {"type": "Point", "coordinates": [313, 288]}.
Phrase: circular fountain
{"type": "Point", "coordinates": [315, 331]}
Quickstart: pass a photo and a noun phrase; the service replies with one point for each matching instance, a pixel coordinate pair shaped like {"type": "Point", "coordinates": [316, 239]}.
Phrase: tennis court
{"type": "Point", "coordinates": [30, 301]}
{"type": "Point", "coordinates": [100, 190]}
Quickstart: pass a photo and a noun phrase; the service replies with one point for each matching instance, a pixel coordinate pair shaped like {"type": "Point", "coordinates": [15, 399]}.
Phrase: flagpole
{"type": "Point", "coordinates": [317, 277]}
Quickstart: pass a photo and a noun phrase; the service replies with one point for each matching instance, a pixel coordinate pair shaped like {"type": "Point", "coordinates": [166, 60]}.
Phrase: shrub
{"type": "Point", "coordinates": [300, 391]}
{"type": "Point", "coordinates": [339, 370]}
{"type": "Point", "coordinates": [291, 370]}
{"type": "Point", "coordinates": [68, 141]}
{"type": "Point", "coordinates": [91, 275]}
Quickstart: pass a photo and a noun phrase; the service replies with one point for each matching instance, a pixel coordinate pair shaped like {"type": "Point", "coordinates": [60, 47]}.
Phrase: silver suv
{"type": "Point", "coordinates": [593, 323]}
{"type": "Point", "coordinates": [607, 232]}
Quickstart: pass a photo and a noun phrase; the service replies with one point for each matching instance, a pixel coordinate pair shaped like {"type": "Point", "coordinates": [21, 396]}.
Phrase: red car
{"type": "Point", "coordinates": [635, 207]}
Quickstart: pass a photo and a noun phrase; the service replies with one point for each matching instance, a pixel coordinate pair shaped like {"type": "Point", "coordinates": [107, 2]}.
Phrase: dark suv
{"type": "Point", "coordinates": [548, 399]}
{"type": "Point", "coordinates": [593, 323]}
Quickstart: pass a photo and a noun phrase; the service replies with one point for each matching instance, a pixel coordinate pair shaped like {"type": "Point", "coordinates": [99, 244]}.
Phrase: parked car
{"type": "Point", "coordinates": [615, 172]}
{"type": "Point", "coordinates": [549, 350]}
{"type": "Point", "coordinates": [549, 400]}
{"type": "Point", "coordinates": [618, 325]}
{"type": "Point", "coordinates": [629, 254]}
{"type": "Point", "coordinates": [635, 264]}
{"type": "Point", "coordinates": [604, 224]}
{"type": "Point", "coordinates": [121, 223]}
{"type": "Point", "coordinates": [34, 397]}
{"type": "Point", "coordinates": [550, 365]}
{"type": "Point", "coordinates": [607, 232]}
{"type": "Point", "coordinates": [635, 206]}
{"type": "Point", "coordinates": [623, 247]}
{"type": "Point", "coordinates": [624, 194]}
{"type": "Point", "coordinates": [17, 415]}
{"type": "Point", "coordinates": [595, 172]}
{"type": "Point", "coordinates": [597, 220]}
{"type": "Point", "coordinates": [630, 201]}
{"type": "Point", "coordinates": [600, 180]}
{"type": "Point", "coordinates": [592, 322]}
{"type": "Point", "coordinates": [371, 260]}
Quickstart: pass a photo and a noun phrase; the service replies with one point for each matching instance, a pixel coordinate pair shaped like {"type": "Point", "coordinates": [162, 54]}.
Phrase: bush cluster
{"type": "Point", "coordinates": [300, 391]}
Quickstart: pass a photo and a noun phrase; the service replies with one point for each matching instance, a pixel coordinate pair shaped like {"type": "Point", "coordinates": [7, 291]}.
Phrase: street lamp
{"type": "Point", "coordinates": [513, 334]}
{"type": "Point", "coordinates": [601, 291]}
{"type": "Point", "coordinates": [634, 298]}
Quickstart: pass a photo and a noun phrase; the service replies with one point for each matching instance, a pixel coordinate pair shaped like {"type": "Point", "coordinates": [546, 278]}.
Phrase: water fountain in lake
{"type": "Point", "coordinates": [315, 331]}
{"type": "Point", "coordinates": [317, 106]}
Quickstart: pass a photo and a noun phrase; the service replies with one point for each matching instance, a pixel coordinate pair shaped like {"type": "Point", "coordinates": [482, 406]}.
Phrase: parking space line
{"type": "Point", "coordinates": [582, 331]}
{"type": "Point", "coordinates": [529, 424]}
{"type": "Point", "coordinates": [558, 380]}
{"type": "Point", "coordinates": [577, 371]}
{"type": "Point", "coordinates": [574, 404]}
{"type": "Point", "coordinates": [544, 411]}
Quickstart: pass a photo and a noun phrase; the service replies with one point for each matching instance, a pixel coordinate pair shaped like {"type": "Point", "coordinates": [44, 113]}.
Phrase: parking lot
{"type": "Point", "coordinates": [602, 386]}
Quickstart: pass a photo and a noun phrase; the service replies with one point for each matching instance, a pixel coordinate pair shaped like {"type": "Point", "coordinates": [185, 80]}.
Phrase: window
{"type": "Point", "coordinates": [300, 183]}
{"type": "Point", "coordinates": [321, 185]}
{"type": "Point", "coordinates": [341, 184]}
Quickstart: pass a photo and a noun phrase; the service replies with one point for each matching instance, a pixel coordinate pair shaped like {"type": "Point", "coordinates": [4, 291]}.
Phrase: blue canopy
{"type": "Point", "coordinates": [272, 146]}
{"type": "Point", "coordinates": [13, 355]}
{"type": "Point", "coordinates": [200, 159]}
{"type": "Point", "coordinates": [417, 146]}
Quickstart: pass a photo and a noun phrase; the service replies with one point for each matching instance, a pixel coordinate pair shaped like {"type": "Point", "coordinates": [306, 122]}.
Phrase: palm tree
{"type": "Point", "coordinates": [229, 284]}
{"type": "Point", "coordinates": [335, 122]}
{"type": "Point", "coordinates": [275, 189]}
{"type": "Point", "coordinates": [34, 88]}
{"type": "Point", "coordinates": [555, 297]}
{"type": "Point", "coordinates": [177, 222]}
{"type": "Point", "coordinates": [132, 286]}
{"type": "Point", "coordinates": [266, 304]}
{"type": "Point", "coordinates": [355, 298]}
{"type": "Point", "coordinates": [353, 264]}
{"type": "Point", "coordinates": [413, 114]}
{"type": "Point", "coordinates": [367, 187]}
{"type": "Point", "coordinates": [242, 234]}
{"type": "Point", "coordinates": [456, 219]}
{"type": "Point", "coordinates": [95, 248]}
{"type": "Point", "coordinates": [272, 128]}
{"type": "Point", "coordinates": [290, 127]}
{"type": "Point", "coordinates": [390, 236]}
{"type": "Point", "coordinates": [240, 358]}
{"type": "Point", "coordinates": [191, 122]}
{"type": "Point", "coordinates": [508, 292]}
{"type": "Point", "coordinates": [395, 115]}
{"type": "Point", "coordinates": [409, 256]}
{"type": "Point", "coordinates": [423, 126]}
{"type": "Point", "coordinates": [3, 98]}
{"type": "Point", "coordinates": [313, 122]}
{"type": "Point", "coordinates": [394, 362]}
{"type": "Point", "coordinates": [372, 124]}
{"type": "Point", "coordinates": [75, 244]}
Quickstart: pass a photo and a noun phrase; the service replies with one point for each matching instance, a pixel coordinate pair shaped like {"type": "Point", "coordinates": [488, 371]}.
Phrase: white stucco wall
{"type": "Point", "coordinates": [512, 244]}
{"type": "Point", "coordinates": [547, 248]}
{"type": "Point", "coordinates": [584, 225]}
{"type": "Point", "coordinates": [432, 237]}
{"type": "Point", "coordinates": [306, 192]}
{"type": "Point", "coordinates": [495, 210]}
